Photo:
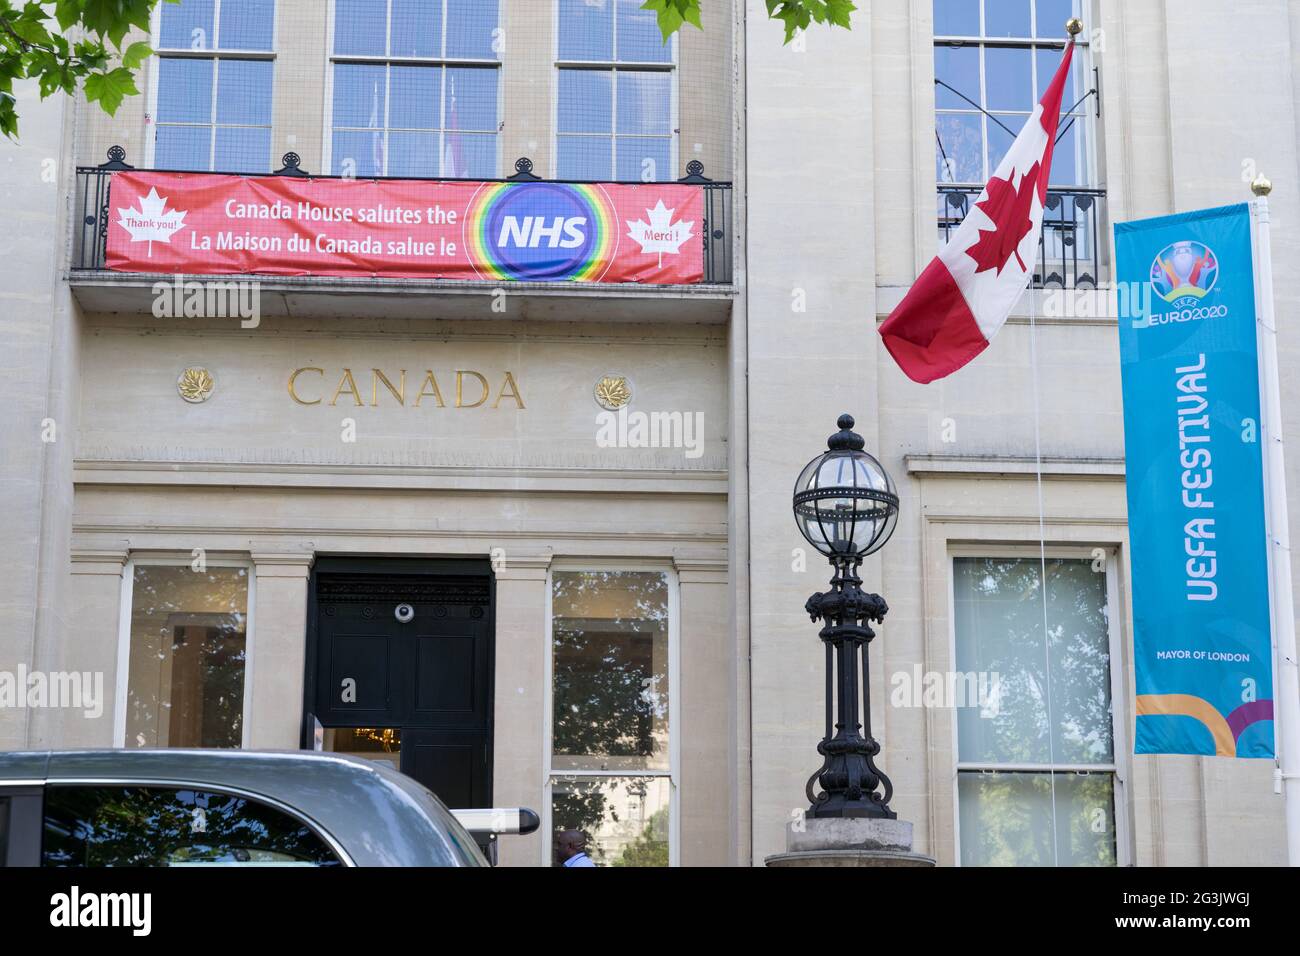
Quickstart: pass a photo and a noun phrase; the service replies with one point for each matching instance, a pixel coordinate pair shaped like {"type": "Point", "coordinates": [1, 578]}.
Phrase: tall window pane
{"type": "Point", "coordinates": [213, 111]}
{"type": "Point", "coordinates": [611, 788]}
{"type": "Point", "coordinates": [614, 106]}
{"type": "Point", "coordinates": [417, 117]}
{"type": "Point", "coordinates": [187, 657]}
{"type": "Point", "coordinates": [1041, 720]}
{"type": "Point", "coordinates": [998, 84]}
{"type": "Point", "coordinates": [993, 61]}
{"type": "Point", "coordinates": [610, 630]}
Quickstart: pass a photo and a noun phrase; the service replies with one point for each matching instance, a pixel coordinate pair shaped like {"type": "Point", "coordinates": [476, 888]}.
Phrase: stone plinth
{"type": "Point", "coordinates": [848, 842]}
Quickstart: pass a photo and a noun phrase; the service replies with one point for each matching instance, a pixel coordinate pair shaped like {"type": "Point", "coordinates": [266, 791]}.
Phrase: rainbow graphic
{"type": "Point", "coordinates": [1224, 731]}
{"type": "Point", "coordinates": [541, 232]}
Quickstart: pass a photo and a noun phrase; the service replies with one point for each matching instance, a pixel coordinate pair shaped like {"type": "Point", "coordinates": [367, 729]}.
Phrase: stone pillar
{"type": "Point", "coordinates": [519, 703]}
{"type": "Point", "coordinates": [91, 648]}
{"type": "Point", "coordinates": [38, 390]}
{"type": "Point", "coordinates": [811, 355]}
{"type": "Point", "coordinates": [278, 649]}
{"type": "Point", "coordinates": [708, 794]}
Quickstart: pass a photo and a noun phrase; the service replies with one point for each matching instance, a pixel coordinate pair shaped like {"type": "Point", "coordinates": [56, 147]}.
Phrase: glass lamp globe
{"type": "Point", "coordinates": [845, 503]}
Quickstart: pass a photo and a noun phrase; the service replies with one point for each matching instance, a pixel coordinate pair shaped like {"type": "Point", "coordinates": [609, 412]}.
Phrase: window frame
{"type": "Point", "coordinates": [1118, 767]}
{"type": "Point", "coordinates": [180, 559]}
{"type": "Point", "coordinates": [671, 66]}
{"type": "Point", "coordinates": [214, 53]}
{"type": "Point", "coordinates": [549, 774]}
{"type": "Point", "coordinates": [1086, 65]}
{"type": "Point", "coordinates": [442, 63]}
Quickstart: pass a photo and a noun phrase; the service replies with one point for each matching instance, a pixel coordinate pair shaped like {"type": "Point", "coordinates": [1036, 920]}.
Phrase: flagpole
{"type": "Point", "coordinates": [1287, 693]}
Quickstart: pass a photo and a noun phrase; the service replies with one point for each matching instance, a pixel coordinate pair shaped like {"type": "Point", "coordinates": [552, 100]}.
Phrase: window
{"type": "Point", "coordinates": [992, 62]}
{"type": "Point", "coordinates": [156, 826]}
{"type": "Point", "coordinates": [415, 88]}
{"type": "Point", "coordinates": [611, 759]}
{"type": "Point", "coordinates": [1037, 777]}
{"type": "Point", "coordinates": [615, 93]}
{"type": "Point", "coordinates": [188, 644]}
{"type": "Point", "coordinates": [214, 85]}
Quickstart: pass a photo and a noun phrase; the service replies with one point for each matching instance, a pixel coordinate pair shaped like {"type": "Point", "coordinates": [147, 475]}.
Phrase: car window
{"type": "Point", "coordinates": [161, 826]}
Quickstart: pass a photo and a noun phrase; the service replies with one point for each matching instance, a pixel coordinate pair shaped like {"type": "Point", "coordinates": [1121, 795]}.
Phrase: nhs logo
{"type": "Point", "coordinates": [530, 232]}
{"type": "Point", "coordinates": [542, 232]}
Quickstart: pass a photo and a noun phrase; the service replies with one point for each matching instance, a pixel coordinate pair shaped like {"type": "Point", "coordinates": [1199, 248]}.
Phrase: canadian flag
{"type": "Point", "coordinates": [964, 296]}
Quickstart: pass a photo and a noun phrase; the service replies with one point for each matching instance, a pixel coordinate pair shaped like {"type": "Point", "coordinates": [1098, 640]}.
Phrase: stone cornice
{"type": "Point", "coordinates": [998, 466]}
{"type": "Point", "coordinates": [98, 560]}
{"type": "Point", "coordinates": [313, 475]}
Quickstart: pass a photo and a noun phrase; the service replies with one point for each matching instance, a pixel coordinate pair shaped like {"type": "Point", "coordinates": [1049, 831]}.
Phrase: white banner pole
{"type": "Point", "coordinates": [1287, 693]}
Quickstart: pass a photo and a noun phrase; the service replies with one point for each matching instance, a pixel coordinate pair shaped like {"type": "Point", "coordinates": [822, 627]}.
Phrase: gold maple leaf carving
{"type": "Point", "coordinates": [195, 384]}
{"type": "Point", "coordinates": [613, 391]}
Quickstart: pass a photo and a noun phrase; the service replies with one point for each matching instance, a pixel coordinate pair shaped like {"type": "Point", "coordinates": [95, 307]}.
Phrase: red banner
{"type": "Point", "coordinates": [212, 224]}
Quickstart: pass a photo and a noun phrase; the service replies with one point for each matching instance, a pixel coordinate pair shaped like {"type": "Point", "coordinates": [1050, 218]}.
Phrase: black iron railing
{"type": "Point", "coordinates": [1069, 253]}
{"type": "Point", "coordinates": [93, 212]}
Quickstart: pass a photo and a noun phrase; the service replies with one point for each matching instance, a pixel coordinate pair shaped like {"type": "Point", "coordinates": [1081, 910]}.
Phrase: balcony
{"type": "Point", "coordinates": [104, 284]}
{"type": "Point", "coordinates": [1069, 255]}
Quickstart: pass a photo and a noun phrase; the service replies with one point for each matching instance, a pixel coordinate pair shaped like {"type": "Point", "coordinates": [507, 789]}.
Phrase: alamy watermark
{"type": "Point", "coordinates": [71, 690]}
{"type": "Point", "coordinates": [947, 689]}
{"type": "Point", "coordinates": [227, 299]}
{"type": "Point", "coordinates": [624, 429]}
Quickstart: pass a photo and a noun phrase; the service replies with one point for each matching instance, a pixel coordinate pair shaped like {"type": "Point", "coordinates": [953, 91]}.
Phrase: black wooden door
{"type": "Point", "coordinates": [427, 671]}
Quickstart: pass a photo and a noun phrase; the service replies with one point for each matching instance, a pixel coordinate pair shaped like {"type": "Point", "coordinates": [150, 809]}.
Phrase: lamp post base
{"type": "Point", "coordinates": [848, 841]}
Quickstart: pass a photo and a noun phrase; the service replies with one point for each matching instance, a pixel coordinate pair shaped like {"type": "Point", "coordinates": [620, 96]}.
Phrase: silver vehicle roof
{"type": "Point", "coordinates": [376, 815]}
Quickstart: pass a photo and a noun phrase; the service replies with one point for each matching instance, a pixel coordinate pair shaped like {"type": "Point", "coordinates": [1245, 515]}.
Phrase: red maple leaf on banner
{"type": "Point", "coordinates": [1009, 208]}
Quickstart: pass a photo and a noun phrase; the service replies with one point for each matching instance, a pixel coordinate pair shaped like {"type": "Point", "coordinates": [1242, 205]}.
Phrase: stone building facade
{"type": "Point", "coordinates": [626, 624]}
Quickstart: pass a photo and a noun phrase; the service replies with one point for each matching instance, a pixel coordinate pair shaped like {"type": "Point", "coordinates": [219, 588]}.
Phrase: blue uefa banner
{"type": "Point", "coordinates": [1193, 449]}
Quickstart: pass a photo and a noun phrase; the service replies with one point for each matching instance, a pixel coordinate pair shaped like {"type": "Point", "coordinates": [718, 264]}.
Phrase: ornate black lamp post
{"type": "Point", "coordinates": [846, 506]}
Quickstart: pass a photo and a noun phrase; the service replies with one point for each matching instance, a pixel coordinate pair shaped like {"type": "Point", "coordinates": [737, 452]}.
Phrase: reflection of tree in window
{"type": "Point", "coordinates": [625, 819]}
{"type": "Point", "coordinates": [609, 691]}
{"type": "Point", "coordinates": [610, 711]}
{"type": "Point", "coordinates": [651, 847]}
{"type": "Point", "coordinates": [111, 826]}
{"type": "Point", "coordinates": [1017, 806]}
{"type": "Point", "coordinates": [1006, 638]}
{"type": "Point", "coordinates": [1007, 819]}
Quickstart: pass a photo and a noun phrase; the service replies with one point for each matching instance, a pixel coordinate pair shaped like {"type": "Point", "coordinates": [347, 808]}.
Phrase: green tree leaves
{"type": "Point", "coordinates": [66, 43]}
{"type": "Point", "coordinates": [110, 88]}
{"type": "Point", "coordinates": [795, 14]}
